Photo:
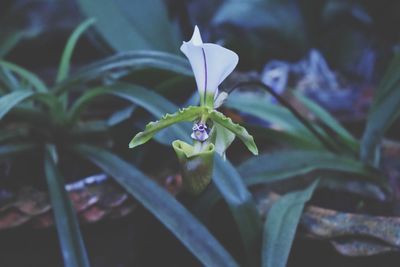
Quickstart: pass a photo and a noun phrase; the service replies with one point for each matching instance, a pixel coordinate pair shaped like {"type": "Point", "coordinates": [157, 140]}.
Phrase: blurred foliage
{"type": "Point", "coordinates": [350, 34]}
{"type": "Point", "coordinates": [125, 25]}
{"type": "Point", "coordinates": [85, 110]}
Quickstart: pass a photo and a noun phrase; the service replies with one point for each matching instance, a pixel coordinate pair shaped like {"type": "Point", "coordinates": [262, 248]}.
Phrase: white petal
{"type": "Point", "coordinates": [211, 63]}
{"type": "Point", "coordinates": [196, 58]}
{"type": "Point", "coordinates": [196, 37]}
{"type": "Point", "coordinates": [220, 99]}
{"type": "Point", "coordinates": [220, 63]}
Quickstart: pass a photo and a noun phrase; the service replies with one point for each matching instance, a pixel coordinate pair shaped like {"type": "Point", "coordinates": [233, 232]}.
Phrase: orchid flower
{"type": "Point", "coordinates": [212, 131]}
{"type": "Point", "coordinates": [211, 64]}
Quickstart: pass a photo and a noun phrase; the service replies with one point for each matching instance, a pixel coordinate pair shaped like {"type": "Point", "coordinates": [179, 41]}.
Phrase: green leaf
{"type": "Point", "coordinates": [9, 150]}
{"type": "Point", "coordinates": [329, 120]}
{"type": "Point", "coordinates": [261, 107]}
{"type": "Point", "coordinates": [72, 246]}
{"type": "Point", "coordinates": [121, 115]}
{"type": "Point", "coordinates": [154, 103]}
{"type": "Point", "coordinates": [163, 206]}
{"type": "Point", "coordinates": [383, 113]}
{"type": "Point", "coordinates": [241, 205]}
{"type": "Point", "coordinates": [10, 40]}
{"type": "Point", "coordinates": [10, 133]}
{"type": "Point", "coordinates": [25, 74]}
{"type": "Point", "coordinates": [185, 114]}
{"type": "Point", "coordinates": [285, 164]}
{"type": "Point", "coordinates": [84, 101]}
{"type": "Point", "coordinates": [284, 138]}
{"type": "Point", "coordinates": [133, 24]}
{"type": "Point", "coordinates": [7, 102]}
{"type": "Point", "coordinates": [378, 121]}
{"type": "Point", "coordinates": [238, 130]}
{"type": "Point", "coordinates": [281, 224]}
{"type": "Point", "coordinates": [90, 127]}
{"type": "Point", "coordinates": [63, 69]}
{"type": "Point", "coordinates": [222, 138]}
{"type": "Point", "coordinates": [8, 80]}
{"type": "Point", "coordinates": [126, 63]}
{"type": "Point", "coordinates": [390, 80]}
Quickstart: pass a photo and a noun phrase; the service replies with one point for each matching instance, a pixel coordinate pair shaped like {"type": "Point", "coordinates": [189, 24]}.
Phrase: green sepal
{"type": "Point", "coordinates": [222, 138]}
{"type": "Point", "coordinates": [239, 131]}
{"type": "Point", "coordinates": [196, 167]}
{"type": "Point", "coordinates": [186, 114]}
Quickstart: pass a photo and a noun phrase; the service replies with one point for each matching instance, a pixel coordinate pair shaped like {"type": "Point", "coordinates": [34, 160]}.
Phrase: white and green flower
{"type": "Point", "coordinates": [212, 131]}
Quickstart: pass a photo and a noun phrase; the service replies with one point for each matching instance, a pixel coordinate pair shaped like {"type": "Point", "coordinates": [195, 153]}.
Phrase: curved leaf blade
{"type": "Point", "coordinates": [261, 107]}
{"type": "Point", "coordinates": [185, 114]}
{"type": "Point", "coordinates": [126, 63]}
{"type": "Point", "coordinates": [155, 104]}
{"type": "Point", "coordinates": [25, 74]}
{"type": "Point", "coordinates": [378, 122]}
{"type": "Point", "coordinates": [83, 101]}
{"type": "Point", "coordinates": [285, 164]}
{"type": "Point", "coordinates": [9, 150]}
{"type": "Point", "coordinates": [235, 128]}
{"type": "Point", "coordinates": [241, 205]}
{"type": "Point", "coordinates": [281, 224]}
{"type": "Point", "coordinates": [390, 79]}
{"type": "Point", "coordinates": [64, 66]}
{"type": "Point", "coordinates": [132, 24]}
{"type": "Point", "coordinates": [383, 112]}
{"type": "Point", "coordinates": [163, 206]}
{"type": "Point", "coordinates": [328, 119]}
{"type": "Point", "coordinates": [72, 246]}
{"type": "Point", "coordinates": [7, 102]}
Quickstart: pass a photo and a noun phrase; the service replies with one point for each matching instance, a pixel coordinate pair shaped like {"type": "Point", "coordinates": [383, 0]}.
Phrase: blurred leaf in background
{"type": "Point", "coordinates": [257, 28]}
{"type": "Point", "coordinates": [133, 25]}
{"type": "Point", "coordinates": [26, 20]}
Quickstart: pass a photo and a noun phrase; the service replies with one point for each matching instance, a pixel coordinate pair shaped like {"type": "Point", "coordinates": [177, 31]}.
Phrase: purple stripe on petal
{"type": "Point", "coordinates": [205, 74]}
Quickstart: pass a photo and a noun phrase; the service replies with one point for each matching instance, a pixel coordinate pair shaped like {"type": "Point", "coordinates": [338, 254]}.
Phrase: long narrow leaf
{"type": "Point", "coordinates": [154, 103]}
{"type": "Point", "coordinates": [280, 226]}
{"type": "Point", "coordinates": [9, 150]}
{"type": "Point", "coordinates": [69, 48]}
{"type": "Point", "coordinates": [379, 120]}
{"type": "Point", "coordinates": [163, 206]}
{"type": "Point", "coordinates": [9, 80]}
{"type": "Point", "coordinates": [389, 80]}
{"type": "Point", "coordinates": [383, 112]}
{"type": "Point", "coordinates": [132, 24]}
{"type": "Point", "coordinates": [281, 165]}
{"type": "Point", "coordinates": [7, 102]}
{"type": "Point", "coordinates": [242, 207]}
{"type": "Point", "coordinates": [329, 120]}
{"type": "Point", "coordinates": [126, 63]}
{"type": "Point", "coordinates": [260, 107]}
{"type": "Point", "coordinates": [25, 74]}
{"type": "Point", "coordinates": [72, 246]}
